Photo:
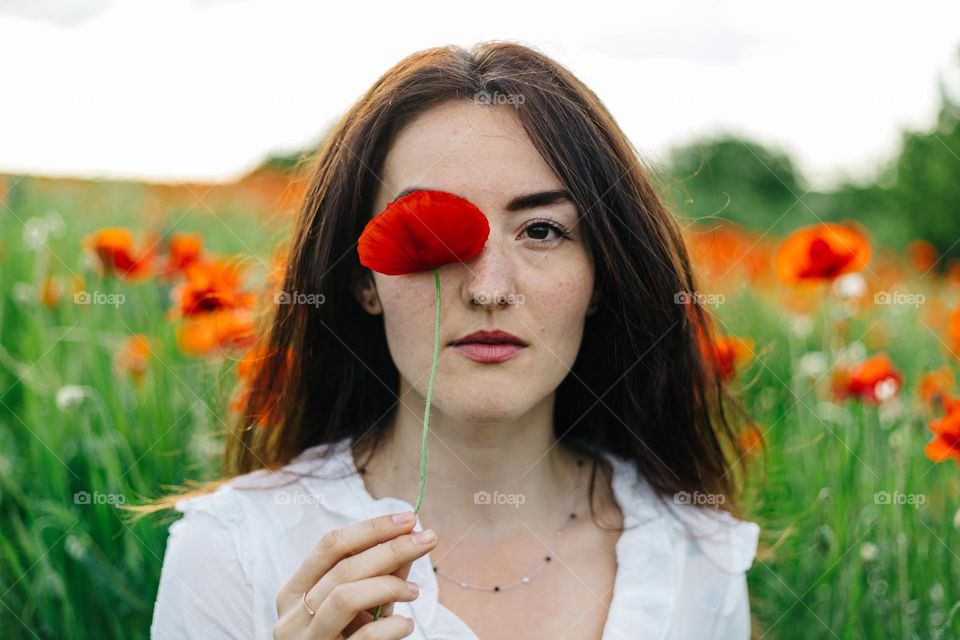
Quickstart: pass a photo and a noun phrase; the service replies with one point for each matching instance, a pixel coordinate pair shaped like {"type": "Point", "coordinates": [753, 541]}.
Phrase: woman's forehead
{"type": "Point", "coordinates": [477, 152]}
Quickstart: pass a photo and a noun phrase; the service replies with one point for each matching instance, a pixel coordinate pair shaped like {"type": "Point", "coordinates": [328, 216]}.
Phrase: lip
{"type": "Point", "coordinates": [494, 336]}
{"type": "Point", "coordinates": [489, 346]}
{"type": "Point", "coordinates": [488, 353]}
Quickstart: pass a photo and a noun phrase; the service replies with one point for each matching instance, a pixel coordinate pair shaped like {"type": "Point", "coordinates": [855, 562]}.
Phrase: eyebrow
{"type": "Point", "coordinates": [520, 203]}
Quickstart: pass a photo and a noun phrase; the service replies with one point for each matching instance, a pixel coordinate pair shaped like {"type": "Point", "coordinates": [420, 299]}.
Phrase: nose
{"type": "Point", "coordinates": [490, 281]}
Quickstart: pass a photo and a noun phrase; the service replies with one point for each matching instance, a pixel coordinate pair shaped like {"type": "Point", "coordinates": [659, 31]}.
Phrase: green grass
{"type": "Point", "coordinates": [75, 566]}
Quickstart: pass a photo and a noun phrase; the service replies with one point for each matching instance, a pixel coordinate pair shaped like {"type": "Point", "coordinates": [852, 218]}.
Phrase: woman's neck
{"type": "Point", "coordinates": [498, 477]}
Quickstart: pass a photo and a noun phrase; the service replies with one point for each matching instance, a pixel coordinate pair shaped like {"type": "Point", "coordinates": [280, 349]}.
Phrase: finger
{"type": "Point", "coordinates": [403, 573]}
{"type": "Point", "coordinates": [366, 615]}
{"type": "Point", "coordinates": [390, 628]}
{"type": "Point", "coordinates": [383, 559]}
{"type": "Point", "coordinates": [340, 543]}
{"type": "Point", "coordinates": [343, 604]}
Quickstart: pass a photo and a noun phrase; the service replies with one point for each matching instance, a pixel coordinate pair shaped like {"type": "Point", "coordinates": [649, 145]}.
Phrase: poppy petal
{"type": "Point", "coordinates": [421, 232]}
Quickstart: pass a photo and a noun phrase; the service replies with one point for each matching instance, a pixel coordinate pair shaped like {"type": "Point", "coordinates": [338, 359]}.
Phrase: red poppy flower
{"type": "Point", "coordinates": [211, 286]}
{"type": "Point", "coordinates": [422, 231]}
{"type": "Point", "coordinates": [727, 353]}
{"type": "Point", "coordinates": [874, 380]}
{"type": "Point", "coordinates": [223, 329]}
{"type": "Point", "coordinates": [184, 249]}
{"type": "Point", "coordinates": [821, 252]}
{"type": "Point", "coordinates": [946, 434]}
{"type": "Point", "coordinates": [116, 254]}
{"type": "Point", "coordinates": [935, 385]}
{"type": "Point", "coordinates": [751, 440]}
{"type": "Point", "coordinates": [248, 371]}
{"type": "Point", "coordinates": [216, 311]}
{"type": "Point", "coordinates": [923, 255]}
{"type": "Point", "coordinates": [953, 331]}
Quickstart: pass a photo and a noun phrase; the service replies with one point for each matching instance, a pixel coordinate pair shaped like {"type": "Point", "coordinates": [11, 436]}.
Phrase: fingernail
{"type": "Point", "coordinates": [424, 537]}
{"type": "Point", "coordinates": [412, 588]}
{"type": "Point", "coordinates": [403, 518]}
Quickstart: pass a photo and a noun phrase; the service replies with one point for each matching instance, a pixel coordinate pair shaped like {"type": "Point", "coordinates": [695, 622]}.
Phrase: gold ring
{"type": "Point", "coordinates": [309, 610]}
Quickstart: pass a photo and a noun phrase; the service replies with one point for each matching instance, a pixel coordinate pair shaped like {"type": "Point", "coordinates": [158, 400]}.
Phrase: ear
{"type": "Point", "coordinates": [365, 291]}
{"type": "Point", "coordinates": [594, 302]}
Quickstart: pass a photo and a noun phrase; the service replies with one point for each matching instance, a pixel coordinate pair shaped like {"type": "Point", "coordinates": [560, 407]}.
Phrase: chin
{"type": "Point", "coordinates": [483, 408]}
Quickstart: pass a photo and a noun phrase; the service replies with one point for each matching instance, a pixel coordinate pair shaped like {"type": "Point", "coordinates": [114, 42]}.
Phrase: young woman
{"type": "Point", "coordinates": [583, 468]}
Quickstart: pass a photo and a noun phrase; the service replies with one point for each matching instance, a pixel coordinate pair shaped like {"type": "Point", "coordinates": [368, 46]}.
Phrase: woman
{"type": "Point", "coordinates": [583, 469]}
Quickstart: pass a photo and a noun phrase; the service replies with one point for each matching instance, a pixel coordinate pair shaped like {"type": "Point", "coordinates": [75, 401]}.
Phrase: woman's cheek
{"type": "Point", "coordinates": [562, 307]}
{"type": "Point", "coordinates": [409, 318]}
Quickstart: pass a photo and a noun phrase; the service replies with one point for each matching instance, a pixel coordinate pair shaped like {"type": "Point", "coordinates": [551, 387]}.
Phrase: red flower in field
{"type": "Point", "coordinates": [211, 286]}
{"type": "Point", "coordinates": [953, 331]}
{"type": "Point", "coordinates": [934, 385]}
{"type": "Point", "coordinates": [923, 255]}
{"type": "Point", "coordinates": [133, 357]}
{"type": "Point", "coordinates": [873, 380]}
{"type": "Point", "coordinates": [722, 250]}
{"type": "Point", "coordinates": [115, 252]}
{"type": "Point", "coordinates": [727, 353]}
{"type": "Point", "coordinates": [952, 275]}
{"type": "Point", "coordinates": [421, 232]}
{"type": "Point", "coordinates": [205, 333]}
{"type": "Point", "coordinates": [248, 370]}
{"type": "Point", "coordinates": [751, 440]}
{"type": "Point", "coordinates": [821, 252]}
{"type": "Point", "coordinates": [184, 249]}
{"type": "Point", "coordinates": [946, 439]}
{"type": "Point", "coordinates": [216, 311]}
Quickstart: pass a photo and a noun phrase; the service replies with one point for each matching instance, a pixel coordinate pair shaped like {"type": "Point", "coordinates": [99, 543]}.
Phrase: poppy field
{"type": "Point", "coordinates": [129, 318]}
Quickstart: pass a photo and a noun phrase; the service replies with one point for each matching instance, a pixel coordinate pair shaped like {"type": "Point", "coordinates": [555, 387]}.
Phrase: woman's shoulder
{"type": "Point", "coordinates": [681, 567]}
{"type": "Point", "coordinates": [244, 500]}
{"type": "Point", "coordinates": [730, 543]}
{"type": "Point", "coordinates": [694, 527]}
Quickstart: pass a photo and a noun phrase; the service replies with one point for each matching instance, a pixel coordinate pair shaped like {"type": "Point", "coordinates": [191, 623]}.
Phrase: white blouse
{"type": "Point", "coordinates": [229, 556]}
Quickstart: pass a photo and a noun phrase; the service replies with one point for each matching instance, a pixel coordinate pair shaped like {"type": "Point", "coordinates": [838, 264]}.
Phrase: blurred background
{"type": "Point", "coordinates": [154, 154]}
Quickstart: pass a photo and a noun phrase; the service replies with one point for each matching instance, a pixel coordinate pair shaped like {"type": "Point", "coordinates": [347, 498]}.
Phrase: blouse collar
{"type": "Point", "coordinates": [647, 569]}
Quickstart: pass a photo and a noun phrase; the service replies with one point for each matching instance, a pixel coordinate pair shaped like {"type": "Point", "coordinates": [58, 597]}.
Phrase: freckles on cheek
{"type": "Point", "coordinates": [569, 290]}
{"type": "Point", "coordinates": [561, 306]}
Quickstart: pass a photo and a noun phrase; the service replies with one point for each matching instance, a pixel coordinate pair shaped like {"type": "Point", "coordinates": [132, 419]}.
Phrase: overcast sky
{"type": "Point", "coordinates": [189, 89]}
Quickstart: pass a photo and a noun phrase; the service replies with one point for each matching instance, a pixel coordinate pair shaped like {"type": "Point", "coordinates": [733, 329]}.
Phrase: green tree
{"type": "Point", "coordinates": [736, 179]}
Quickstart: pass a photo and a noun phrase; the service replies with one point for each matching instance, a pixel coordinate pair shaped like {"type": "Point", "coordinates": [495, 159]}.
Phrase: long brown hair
{"type": "Point", "coordinates": [641, 386]}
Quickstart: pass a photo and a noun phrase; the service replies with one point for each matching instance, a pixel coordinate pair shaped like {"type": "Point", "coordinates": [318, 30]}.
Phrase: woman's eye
{"type": "Point", "coordinates": [539, 231]}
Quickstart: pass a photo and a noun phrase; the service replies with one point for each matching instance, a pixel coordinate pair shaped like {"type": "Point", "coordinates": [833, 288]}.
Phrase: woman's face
{"type": "Point", "coordinates": [529, 280]}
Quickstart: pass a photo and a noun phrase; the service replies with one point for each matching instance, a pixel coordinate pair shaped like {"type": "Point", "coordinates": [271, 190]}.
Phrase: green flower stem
{"type": "Point", "coordinates": [426, 413]}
